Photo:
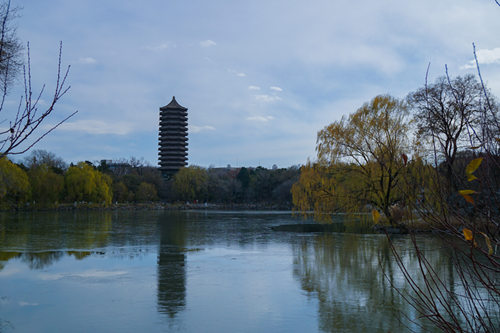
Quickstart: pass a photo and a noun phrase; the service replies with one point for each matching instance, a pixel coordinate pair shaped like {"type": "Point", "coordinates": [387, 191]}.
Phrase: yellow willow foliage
{"type": "Point", "coordinates": [376, 131]}
{"type": "Point", "coordinates": [374, 139]}
{"type": "Point", "coordinates": [14, 183]}
{"type": "Point", "coordinates": [190, 183]}
{"type": "Point", "coordinates": [315, 191]}
{"type": "Point", "coordinates": [46, 185]}
{"type": "Point", "coordinates": [84, 183]}
{"type": "Point", "coordinates": [375, 216]}
{"type": "Point", "coordinates": [328, 189]}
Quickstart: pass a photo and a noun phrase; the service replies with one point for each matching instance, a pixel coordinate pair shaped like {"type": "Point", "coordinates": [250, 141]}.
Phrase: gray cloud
{"type": "Point", "coordinates": [161, 46]}
{"type": "Point", "coordinates": [87, 61]}
{"type": "Point", "coordinates": [97, 127]}
{"type": "Point", "coordinates": [207, 43]}
{"type": "Point", "coordinates": [267, 98]}
{"type": "Point", "coordinates": [198, 129]}
{"type": "Point", "coordinates": [261, 119]}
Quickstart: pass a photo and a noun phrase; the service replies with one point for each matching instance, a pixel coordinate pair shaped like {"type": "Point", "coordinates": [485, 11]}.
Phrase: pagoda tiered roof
{"type": "Point", "coordinates": [172, 138]}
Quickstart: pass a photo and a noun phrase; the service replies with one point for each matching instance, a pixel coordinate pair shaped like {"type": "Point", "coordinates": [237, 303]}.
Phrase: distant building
{"type": "Point", "coordinates": [172, 150]}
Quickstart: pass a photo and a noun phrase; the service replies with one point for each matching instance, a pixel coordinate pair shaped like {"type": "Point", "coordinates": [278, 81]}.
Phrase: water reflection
{"type": "Point", "coordinates": [172, 263]}
{"type": "Point", "coordinates": [352, 277]}
{"type": "Point", "coordinates": [349, 277]}
{"type": "Point", "coordinates": [41, 239]}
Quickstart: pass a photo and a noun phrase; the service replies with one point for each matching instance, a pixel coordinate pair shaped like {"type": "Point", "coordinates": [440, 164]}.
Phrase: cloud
{"type": "Point", "coordinates": [262, 119]}
{"type": "Point", "coordinates": [207, 43]}
{"type": "Point", "coordinates": [484, 57]}
{"type": "Point", "coordinates": [96, 127]}
{"type": "Point", "coordinates": [161, 46]}
{"type": "Point", "coordinates": [267, 98]}
{"type": "Point", "coordinates": [275, 88]}
{"type": "Point", "coordinates": [22, 303]}
{"type": "Point", "coordinates": [198, 129]}
{"type": "Point", "coordinates": [87, 61]}
{"type": "Point", "coordinates": [239, 74]}
{"type": "Point", "coordinates": [253, 88]}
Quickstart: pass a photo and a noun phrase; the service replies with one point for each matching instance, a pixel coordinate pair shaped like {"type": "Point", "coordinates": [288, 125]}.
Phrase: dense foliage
{"type": "Point", "coordinates": [367, 147]}
{"type": "Point", "coordinates": [14, 184]}
{"type": "Point", "coordinates": [261, 186]}
{"type": "Point", "coordinates": [44, 180]}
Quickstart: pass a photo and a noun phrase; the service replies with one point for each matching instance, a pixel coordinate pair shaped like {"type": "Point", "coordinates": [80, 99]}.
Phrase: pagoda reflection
{"type": "Point", "coordinates": [171, 264]}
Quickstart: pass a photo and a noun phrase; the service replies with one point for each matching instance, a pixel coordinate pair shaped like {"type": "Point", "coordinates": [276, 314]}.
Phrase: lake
{"type": "Point", "coordinates": [200, 271]}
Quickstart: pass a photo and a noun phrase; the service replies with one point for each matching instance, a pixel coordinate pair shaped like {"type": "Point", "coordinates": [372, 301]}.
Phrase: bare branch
{"type": "Point", "coordinates": [29, 117]}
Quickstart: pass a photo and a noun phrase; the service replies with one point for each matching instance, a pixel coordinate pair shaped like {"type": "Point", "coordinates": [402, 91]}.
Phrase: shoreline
{"type": "Point", "coordinates": [151, 206]}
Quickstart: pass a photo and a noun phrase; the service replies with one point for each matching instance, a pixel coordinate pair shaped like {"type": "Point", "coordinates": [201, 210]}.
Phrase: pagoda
{"type": "Point", "coordinates": [172, 140]}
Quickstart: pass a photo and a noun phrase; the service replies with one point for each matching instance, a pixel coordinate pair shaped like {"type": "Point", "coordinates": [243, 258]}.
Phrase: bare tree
{"type": "Point", "coordinates": [38, 157]}
{"type": "Point", "coordinates": [471, 231]}
{"type": "Point", "coordinates": [447, 111]}
{"type": "Point", "coordinates": [10, 47]}
{"type": "Point", "coordinates": [20, 130]}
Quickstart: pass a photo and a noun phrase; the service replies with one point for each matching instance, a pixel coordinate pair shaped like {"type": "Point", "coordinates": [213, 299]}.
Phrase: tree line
{"type": "Point", "coordinates": [43, 180]}
{"type": "Point", "coordinates": [260, 186]}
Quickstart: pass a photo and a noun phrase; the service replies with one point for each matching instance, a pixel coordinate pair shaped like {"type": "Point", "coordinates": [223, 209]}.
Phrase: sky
{"type": "Point", "coordinates": [260, 78]}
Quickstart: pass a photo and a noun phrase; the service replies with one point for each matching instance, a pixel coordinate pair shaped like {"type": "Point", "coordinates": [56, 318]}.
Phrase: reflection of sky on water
{"type": "Point", "coordinates": [94, 294]}
{"type": "Point", "coordinates": [90, 275]}
{"type": "Point", "coordinates": [210, 272]}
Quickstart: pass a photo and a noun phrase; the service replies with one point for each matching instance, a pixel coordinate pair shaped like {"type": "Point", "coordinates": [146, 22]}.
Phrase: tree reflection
{"type": "Point", "coordinates": [351, 276]}
{"type": "Point", "coordinates": [41, 239]}
{"type": "Point", "coordinates": [171, 264]}
{"type": "Point", "coordinates": [6, 256]}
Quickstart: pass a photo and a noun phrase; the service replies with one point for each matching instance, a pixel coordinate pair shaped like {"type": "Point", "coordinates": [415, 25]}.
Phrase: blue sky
{"type": "Point", "coordinates": [259, 78]}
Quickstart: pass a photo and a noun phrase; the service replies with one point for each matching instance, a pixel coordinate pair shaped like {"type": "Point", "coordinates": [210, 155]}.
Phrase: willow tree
{"type": "Point", "coordinates": [372, 145]}
{"type": "Point", "coordinates": [190, 183]}
{"type": "Point", "coordinates": [14, 184]}
{"type": "Point", "coordinates": [315, 190]}
{"type": "Point", "coordinates": [84, 183]}
{"type": "Point", "coordinates": [46, 185]}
